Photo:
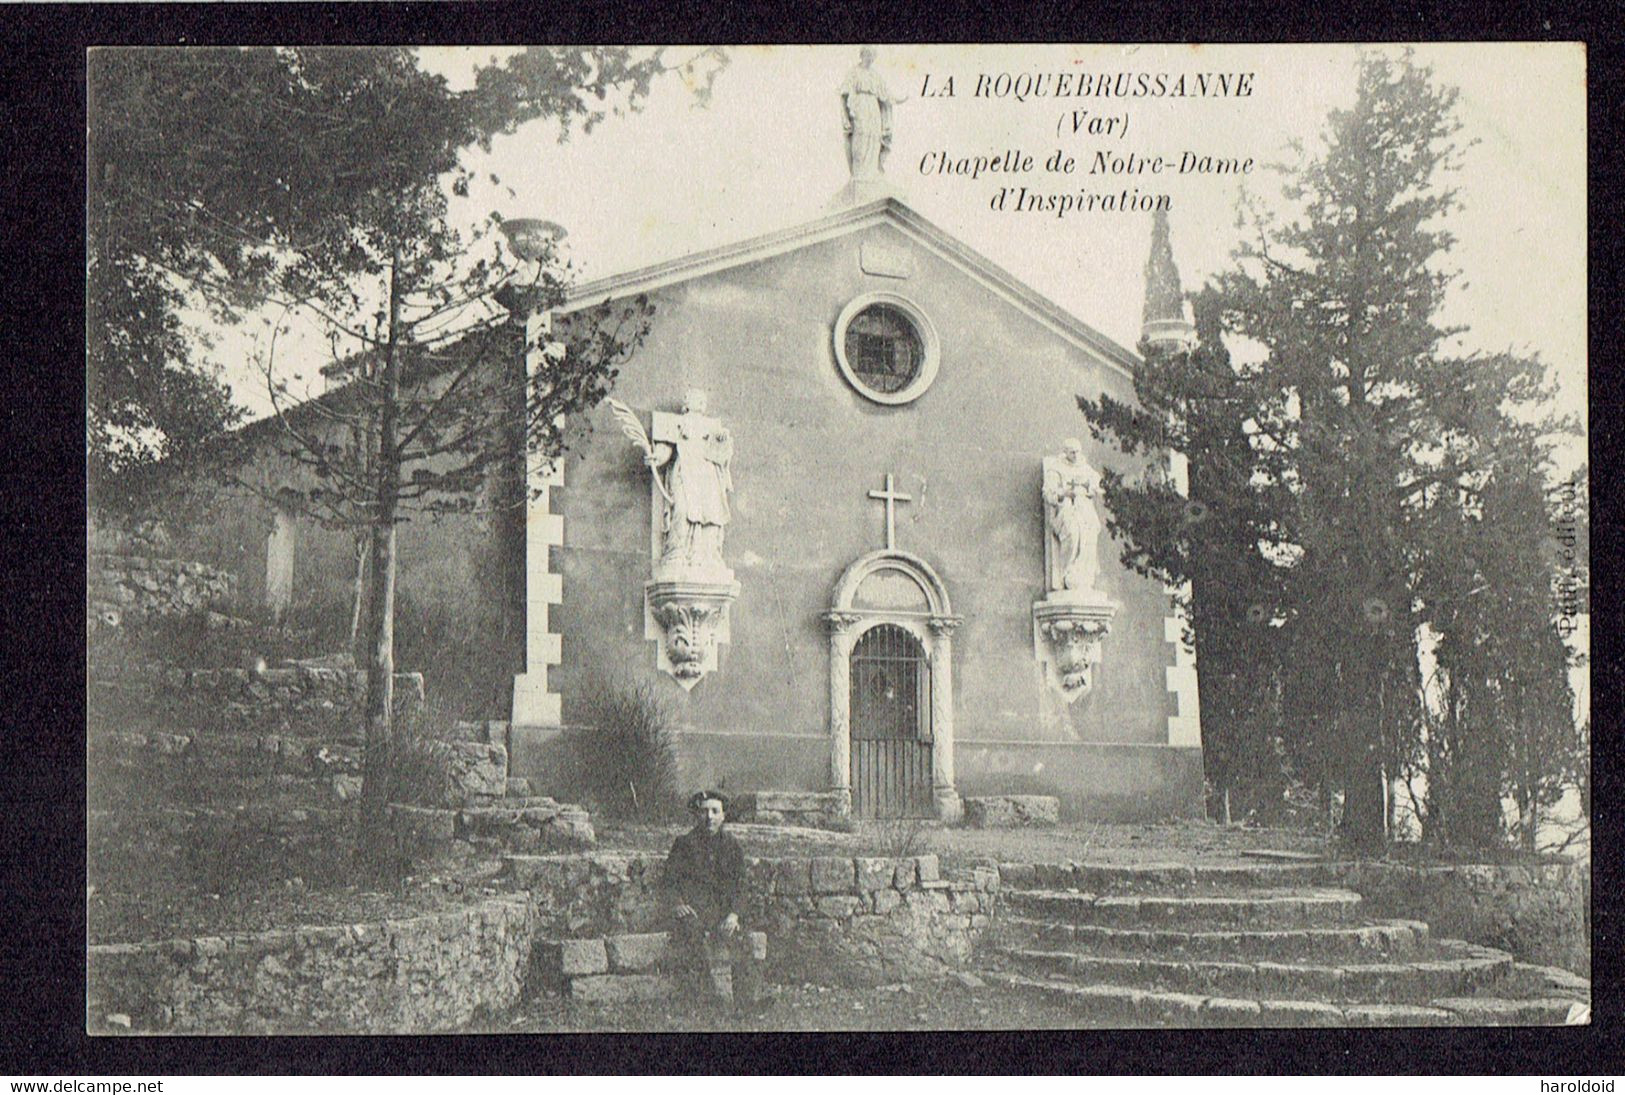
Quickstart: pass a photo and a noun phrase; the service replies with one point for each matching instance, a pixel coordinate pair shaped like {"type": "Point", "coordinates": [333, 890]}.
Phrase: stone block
{"type": "Point", "coordinates": [518, 787]}
{"type": "Point", "coordinates": [576, 957]}
{"type": "Point", "coordinates": [906, 875]}
{"type": "Point", "coordinates": [886, 900]}
{"type": "Point", "coordinates": [634, 953]}
{"type": "Point", "coordinates": [839, 906]}
{"type": "Point", "coordinates": [929, 870]}
{"type": "Point", "coordinates": [875, 874]}
{"type": "Point", "coordinates": [758, 946]}
{"type": "Point", "coordinates": [564, 833]}
{"type": "Point", "coordinates": [419, 824]}
{"type": "Point", "coordinates": [1012, 811]}
{"type": "Point", "coordinates": [470, 769]}
{"type": "Point", "coordinates": [621, 988]}
{"type": "Point", "coordinates": [1021, 876]}
{"type": "Point", "coordinates": [832, 874]}
{"type": "Point", "coordinates": [486, 821]}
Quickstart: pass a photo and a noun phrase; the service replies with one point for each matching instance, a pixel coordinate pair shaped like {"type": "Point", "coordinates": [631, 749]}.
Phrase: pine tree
{"type": "Point", "coordinates": [1328, 460]}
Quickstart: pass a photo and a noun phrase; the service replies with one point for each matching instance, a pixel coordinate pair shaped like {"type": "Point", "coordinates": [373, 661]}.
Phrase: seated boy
{"type": "Point", "coordinates": [704, 878]}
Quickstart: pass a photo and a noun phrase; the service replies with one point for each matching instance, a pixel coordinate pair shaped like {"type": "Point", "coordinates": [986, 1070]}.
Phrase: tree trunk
{"type": "Point", "coordinates": [380, 738]}
{"type": "Point", "coordinates": [359, 596]}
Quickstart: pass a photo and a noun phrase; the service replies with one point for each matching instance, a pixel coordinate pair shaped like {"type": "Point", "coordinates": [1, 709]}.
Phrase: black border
{"type": "Point", "coordinates": [42, 76]}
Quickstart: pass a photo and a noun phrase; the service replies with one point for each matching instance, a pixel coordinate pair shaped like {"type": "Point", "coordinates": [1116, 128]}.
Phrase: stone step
{"type": "Point", "coordinates": [1416, 981]}
{"type": "Point", "coordinates": [1251, 909]}
{"type": "Point", "coordinates": [621, 968]}
{"type": "Point", "coordinates": [1124, 1005]}
{"type": "Point", "coordinates": [1378, 938]}
{"type": "Point", "coordinates": [1113, 878]}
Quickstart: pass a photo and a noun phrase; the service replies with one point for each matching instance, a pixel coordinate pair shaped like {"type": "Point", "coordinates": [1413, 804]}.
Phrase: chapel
{"type": "Point", "coordinates": [840, 516]}
{"type": "Point", "coordinates": [843, 512]}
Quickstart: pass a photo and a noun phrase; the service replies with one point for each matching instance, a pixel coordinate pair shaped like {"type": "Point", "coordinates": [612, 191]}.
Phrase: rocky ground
{"type": "Point", "coordinates": [965, 1003]}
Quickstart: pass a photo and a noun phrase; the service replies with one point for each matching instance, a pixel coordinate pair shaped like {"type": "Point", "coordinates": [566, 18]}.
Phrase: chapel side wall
{"type": "Point", "coordinates": [459, 594]}
{"type": "Point", "coordinates": [808, 448]}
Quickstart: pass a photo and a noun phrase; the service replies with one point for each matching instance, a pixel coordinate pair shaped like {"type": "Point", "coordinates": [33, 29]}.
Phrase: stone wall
{"type": "Point", "coordinates": [1012, 812]}
{"type": "Point", "coordinates": [814, 809]}
{"type": "Point", "coordinates": [257, 698]}
{"type": "Point", "coordinates": [230, 754]}
{"type": "Point", "coordinates": [525, 824]}
{"type": "Point", "coordinates": [125, 588]}
{"type": "Point", "coordinates": [827, 919]}
{"type": "Point", "coordinates": [427, 973]}
{"type": "Point", "coordinates": [867, 920]}
{"type": "Point", "coordinates": [1540, 913]}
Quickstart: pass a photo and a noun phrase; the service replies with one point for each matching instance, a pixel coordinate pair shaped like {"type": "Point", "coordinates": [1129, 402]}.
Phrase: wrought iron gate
{"type": "Point", "coordinates": [891, 725]}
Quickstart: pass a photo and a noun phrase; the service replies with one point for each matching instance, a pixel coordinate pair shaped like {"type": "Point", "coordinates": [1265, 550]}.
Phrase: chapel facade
{"type": "Point", "coordinates": [839, 512]}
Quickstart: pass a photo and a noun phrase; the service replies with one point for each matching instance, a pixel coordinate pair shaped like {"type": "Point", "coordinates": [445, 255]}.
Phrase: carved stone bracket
{"type": "Point", "coordinates": [944, 625]}
{"type": "Point", "coordinates": [1067, 634]}
{"type": "Point", "coordinates": [688, 619]}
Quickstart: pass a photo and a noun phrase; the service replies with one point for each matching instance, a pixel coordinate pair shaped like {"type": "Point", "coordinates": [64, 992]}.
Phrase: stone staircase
{"type": "Point", "coordinates": [1251, 945]}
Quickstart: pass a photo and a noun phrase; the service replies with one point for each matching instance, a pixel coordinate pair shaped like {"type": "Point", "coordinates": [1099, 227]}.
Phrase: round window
{"type": "Point", "coordinates": [886, 348]}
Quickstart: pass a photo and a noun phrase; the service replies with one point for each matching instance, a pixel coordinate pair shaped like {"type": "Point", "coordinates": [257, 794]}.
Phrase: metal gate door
{"type": "Point", "coordinates": [891, 725]}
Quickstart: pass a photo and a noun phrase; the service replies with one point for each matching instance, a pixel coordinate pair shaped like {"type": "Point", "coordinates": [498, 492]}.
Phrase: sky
{"type": "Point", "coordinates": [767, 153]}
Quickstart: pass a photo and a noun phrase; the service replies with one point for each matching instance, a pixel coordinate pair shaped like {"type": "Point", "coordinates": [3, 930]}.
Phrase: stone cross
{"type": "Point", "coordinates": [891, 498]}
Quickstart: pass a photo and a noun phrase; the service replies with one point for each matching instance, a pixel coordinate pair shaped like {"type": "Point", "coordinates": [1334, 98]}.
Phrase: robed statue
{"type": "Point", "coordinates": [689, 455]}
{"type": "Point", "coordinates": [866, 109]}
{"type": "Point", "coordinates": [1071, 520]}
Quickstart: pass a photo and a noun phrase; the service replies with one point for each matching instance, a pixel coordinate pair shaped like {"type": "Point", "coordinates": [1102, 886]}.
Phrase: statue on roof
{"type": "Point", "coordinates": [866, 107]}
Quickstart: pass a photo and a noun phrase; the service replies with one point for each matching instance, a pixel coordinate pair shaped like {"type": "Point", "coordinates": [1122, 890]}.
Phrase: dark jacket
{"type": "Point", "coordinates": [707, 872]}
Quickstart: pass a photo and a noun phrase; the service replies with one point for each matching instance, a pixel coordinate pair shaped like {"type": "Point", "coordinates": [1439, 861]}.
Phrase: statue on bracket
{"type": "Point", "coordinates": [1073, 525]}
{"type": "Point", "coordinates": [1073, 618]}
{"type": "Point", "coordinates": [696, 452]}
{"type": "Point", "coordinates": [689, 457]}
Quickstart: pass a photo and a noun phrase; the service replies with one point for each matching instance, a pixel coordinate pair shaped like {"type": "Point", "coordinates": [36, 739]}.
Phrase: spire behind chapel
{"type": "Point", "coordinates": [1163, 324]}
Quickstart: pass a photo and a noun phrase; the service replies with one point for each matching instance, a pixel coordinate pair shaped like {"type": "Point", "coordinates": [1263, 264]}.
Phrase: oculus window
{"type": "Point", "coordinates": [886, 348]}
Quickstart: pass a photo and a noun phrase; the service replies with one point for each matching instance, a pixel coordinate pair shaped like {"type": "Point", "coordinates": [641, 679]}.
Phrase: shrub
{"type": "Point", "coordinates": [625, 759]}
{"type": "Point", "coordinates": [900, 837]}
{"type": "Point", "coordinates": [416, 776]}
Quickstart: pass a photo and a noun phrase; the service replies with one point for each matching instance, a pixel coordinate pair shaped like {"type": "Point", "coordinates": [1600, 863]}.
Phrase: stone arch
{"type": "Point", "coordinates": [877, 588]}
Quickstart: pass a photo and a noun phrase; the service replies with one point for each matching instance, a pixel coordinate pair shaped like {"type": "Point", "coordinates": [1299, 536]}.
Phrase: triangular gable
{"type": "Point", "coordinates": [883, 211]}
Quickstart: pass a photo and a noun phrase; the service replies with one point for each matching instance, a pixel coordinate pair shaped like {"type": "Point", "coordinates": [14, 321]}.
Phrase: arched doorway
{"type": "Point", "coordinates": [891, 725]}
{"type": "Point", "coordinates": [891, 710]}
